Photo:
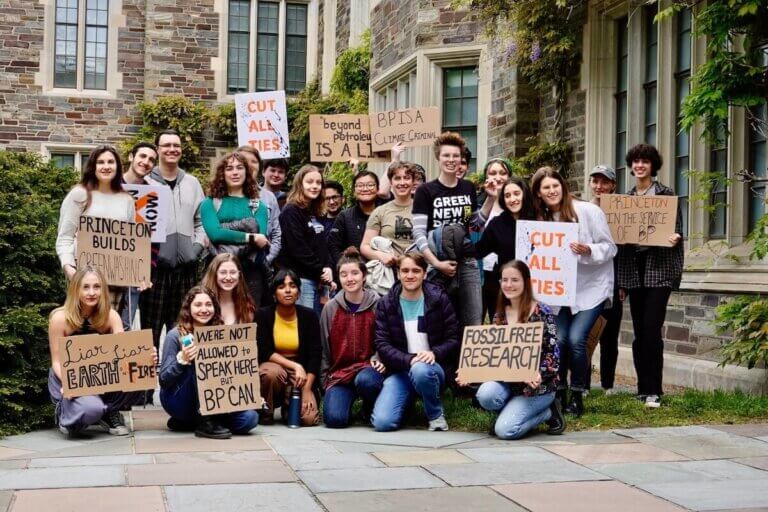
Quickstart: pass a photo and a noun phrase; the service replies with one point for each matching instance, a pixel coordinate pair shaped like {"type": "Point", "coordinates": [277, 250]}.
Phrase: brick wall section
{"type": "Point", "coordinates": [343, 14]}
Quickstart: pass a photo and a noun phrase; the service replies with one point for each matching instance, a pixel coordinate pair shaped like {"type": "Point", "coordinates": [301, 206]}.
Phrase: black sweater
{"type": "Point", "coordinates": [303, 249]}
{"type": "Point", "coordinates": [500, 236]}
{"type": "Point", "coordinates": [310, 349]}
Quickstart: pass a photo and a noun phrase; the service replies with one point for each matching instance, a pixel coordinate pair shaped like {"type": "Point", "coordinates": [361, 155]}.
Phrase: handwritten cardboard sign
{"type": "Point", "coordinates": [262, 123]}
{"type": "Point", "coordinates": [121, 250]}
{"type": "Point", "coordinates": [153, 207]}
{"type": "Point", "coordinates": [338, 138]}
{"type": "Point", "coordinates": [507, 353]}
{"type": "Point", "coordinates": [641, 220]}
{"type": "Point", "coordinates": [411, 126]}
{"type": "Point", "coordinates": [227, 369]}
{"type": "Point", "coordinates": [593, 338]}
{"type": "Point", "coordinates": [93, 364]}
{"type": "Point", "coordinates": [544, 246]}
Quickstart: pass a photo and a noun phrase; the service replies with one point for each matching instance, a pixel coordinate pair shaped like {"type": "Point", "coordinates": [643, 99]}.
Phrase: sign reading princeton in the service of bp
{"type": "Point", "coordinates": [121, 250]}
{"type": "Point", "coordinates": [506, 353]}
{"type": "Point", "coordinates": [641, 220]}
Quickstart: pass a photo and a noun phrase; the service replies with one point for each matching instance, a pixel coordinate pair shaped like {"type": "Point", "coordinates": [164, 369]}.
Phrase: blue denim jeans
{"type": "Point", "coordinates": [310, 295]}
{"type": "Point", "coordinates": [572, 332]}
{"type": "Point", "coordinates": [401, 389]}
{"type": "Point", "coordinates": [518, 414]}
{"type": "Point", "coordinates": [180, 402]}
{"type": "Point", "coordinates": [337, 404]}
{"type": "Point", "coordinates": [131, 304]}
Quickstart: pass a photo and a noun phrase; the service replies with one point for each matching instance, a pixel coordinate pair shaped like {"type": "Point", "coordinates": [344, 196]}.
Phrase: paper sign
{"type": "Point", "coordinates": [93, 364]}
{"type": "Point", "coordinates": [153, 207]}
{"type": "Point", "coordinates": [227, 369]}
{"type": "Point", "coordinates": [121, 250]}
{"type": "Point", "coordinates": [544, 247]}
{"type": "Point", "coordinates": [641, 220]}
{"type": "Point", "coordinates": [411, 126]}
{"type": "Point", "coordinates": [338, 138]}
{"type": "Point", "coordinates": [262, 123]}
{"type": "Point", "coordinates": [507, 353]}
{"type": "Point", "coordinates": [593, 338]}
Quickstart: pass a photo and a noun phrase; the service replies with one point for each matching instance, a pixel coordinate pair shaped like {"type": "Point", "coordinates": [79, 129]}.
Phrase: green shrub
{"type": "Point", "coordinates": [31, 284]}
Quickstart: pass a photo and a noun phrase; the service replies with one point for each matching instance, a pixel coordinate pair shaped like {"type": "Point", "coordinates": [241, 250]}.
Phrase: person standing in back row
{"type": "Point", "coordinates": [175, 272]}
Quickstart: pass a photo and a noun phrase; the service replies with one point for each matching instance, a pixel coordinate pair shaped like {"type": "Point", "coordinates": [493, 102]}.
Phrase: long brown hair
{"type": "Point", "coordinates": [296, 195]}
{"type": "Point", "coordinates": [90, 182]}
{"type": "Point", "coordinates": [73, 306]}
{"type": "Point", "coordinates": [218, 187]}
{"type": "Point", "coordinates": [567, 211]}
{"type": "Point", "coordinates": [526, 298]}
{"type": "Point", "coordinates": [185, 323]}
{"type": "Point", "coordinates": [245, 308]}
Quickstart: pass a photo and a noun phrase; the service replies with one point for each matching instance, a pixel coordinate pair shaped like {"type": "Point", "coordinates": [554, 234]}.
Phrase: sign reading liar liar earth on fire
{"type": "Point", "coordinates": [262, 123]}
{"type": "Point", "coordinates": [411, 127]}
{"type": "Point", "coordinates": [93, 364]}
{"type": "Point", "coordinates": [641, 220]}
{"type": "Point", "coordinates": [227, 369]}
{"type": "Point", "coordinates": [507, 353]}
{"type": "Point", "coordinates": [121, 250]}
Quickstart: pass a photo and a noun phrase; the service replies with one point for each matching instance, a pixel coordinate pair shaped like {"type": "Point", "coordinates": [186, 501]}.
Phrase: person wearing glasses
{"type": "Point", "coordinates": [176, 268]}
{"type": "Point", "coordinates": [334, 203]}
{"type": "Point", "coordinates": [349, 227]}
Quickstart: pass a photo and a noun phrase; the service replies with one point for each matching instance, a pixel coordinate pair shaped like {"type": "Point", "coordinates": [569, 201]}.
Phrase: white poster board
{"type": "Point", "coordinates": [153, 207]}
{"type": "Point", "coordinates": [262, 123]}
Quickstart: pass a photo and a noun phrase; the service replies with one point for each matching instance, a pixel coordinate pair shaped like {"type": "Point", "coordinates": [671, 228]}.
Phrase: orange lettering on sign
{"type": "Point", "coordinates": [260, 106]}
{"type": "Point", "coordinates": [259, 125]}
{"type": "Point", "coordinates": [540, 239]}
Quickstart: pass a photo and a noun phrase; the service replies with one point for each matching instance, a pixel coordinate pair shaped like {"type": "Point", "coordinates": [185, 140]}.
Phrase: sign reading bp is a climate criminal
{"type": "Point", "coordinates": [121, 250]}
{"type": "Point", "coordinates": [507, 353]}
{"type": "Point", "coordinates": [227, 369]}
{"type": "Point", "coordinates": [262, 123]}
{"type": "Point", "coordinates": [545, 248]}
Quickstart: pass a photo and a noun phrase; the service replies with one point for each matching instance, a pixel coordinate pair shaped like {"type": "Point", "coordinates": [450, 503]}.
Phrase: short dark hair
{"type": "Point", "coordinates": [417, 257]}
{"type": "Point", "coordinates": [466, 154]}
{"type": "Point", "coordinates": [282, 163]}
{"type": "Point", "coordinates": [165, 132]}
{"type": "Point", "coordinates": [140, 145]}
{"type": "Point", "coordinates": [335, 185]}
{"type": "Point", "coordinates": [352, 255]}
{"type": "Point", "coordinates": [364, 174]}
{"type": "Point", "coordinates": [645, 152]}
{"type": "Point", "coordinates": [279, 279]}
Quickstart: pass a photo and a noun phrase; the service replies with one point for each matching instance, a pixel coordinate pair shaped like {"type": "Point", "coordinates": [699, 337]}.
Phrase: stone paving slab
{"type": "Point", "coordinates": [203, 473]}
{"type": "Point", "coordinates": [493, 473]}
{"type": "Point", "coordinates": [512, 454]}
{"type": "Point", "coordinates": [8, 453]}
{"type": "Point", "coordinates": [190, 443]}
{"type": "Point", "coordinates": [14, 463]}
{"type": "Point", "coordinates": [241, 498]}
{"type": "Point", "coordinates": [5, 500]}
{"type": "Point", "coordinates": [56, 478]}
{"type": "Point", "coordinates": [755, 462]}
{"type": "Point", "coordinates": [287, 446]}
{"type": "Point", "coordinates": [307, 461]}
{"type": "Point", "coordinates": [763, 439]}
{"type": "Point", "coordinates": [105, 445]}
{"type": "Point", "coordinates": [584, 497]}
{"type": "Point", "coordinates": [149, 419]}
{"type": "Point", "coordinates": [581, 438]}
{"type": "Point", "coordinates": [99, 460]}
{"type": "Point", "coordinates": [747, 430]}
{"type": "Point", "coordinates": [112, 499]}
{"type": "Point", "coordinates": [719, 446]}
{"type": "Point", "coordinates": [725, 494]}
{"type": "Point", "coordinates": [446, 499]}
{"type": "Point", "coordinates": [42, 440]}
{"type": "Point", "coordinates": [422, 457]}
{"type": "Point", "coordinates": [195, 457]}
{"type": "Point", "coordinates": [368, 479]}
{"type": "Point", "coordinates": [344, 447]}
{"type": "Point", "coordinates": [687, 471]}
{"type": "Point", "coordinates": [693, 430]}
{"type": "Point", "coordinates": [613, 453]}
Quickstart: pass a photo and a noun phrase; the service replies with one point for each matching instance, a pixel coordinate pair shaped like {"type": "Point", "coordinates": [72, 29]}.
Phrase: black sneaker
{"type": "Point", "coordinates": [112, 422]}
{"type": "Point", "coordinates": [177, 425]}
{"type": "Point", "coordinates": [576, 404]}
{"type": "Point", "coordinates": [557, 421]}
{"type": "Point", "coordinates": [212, 430]}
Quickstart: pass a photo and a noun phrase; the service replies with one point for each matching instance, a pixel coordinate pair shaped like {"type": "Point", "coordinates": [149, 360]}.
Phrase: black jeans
{"type": "Point", "coordinates": [491, 289]}
{"type": "Point", "coordinates": [649, 309]}
{"type": "Point", "coordinates": [609, 341]}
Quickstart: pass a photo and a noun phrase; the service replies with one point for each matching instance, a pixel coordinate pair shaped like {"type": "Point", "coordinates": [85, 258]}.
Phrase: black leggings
{"type": "Point", "coordinates": [649, 309]}
{"type": "Point", "coordinates": [609, 341]}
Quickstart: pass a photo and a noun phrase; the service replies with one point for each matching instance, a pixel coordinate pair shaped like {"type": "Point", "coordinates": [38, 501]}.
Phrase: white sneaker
{"type": "Point", "coordinates": [653, 401]}
{"type": "Point", "coordinates": [611, 391]}
{"type": "Point", "coordinates": [438, 424]}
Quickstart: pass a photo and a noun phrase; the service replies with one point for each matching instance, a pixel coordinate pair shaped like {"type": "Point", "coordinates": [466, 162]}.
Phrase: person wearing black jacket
{"type": "Point", "coordinates": [349, 227]}
{"type": "Point", "coordinates": [290, 352]}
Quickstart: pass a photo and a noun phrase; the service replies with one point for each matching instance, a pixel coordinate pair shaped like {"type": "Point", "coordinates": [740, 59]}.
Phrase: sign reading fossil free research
{"type": "Point", "coordinates": [507, 353]}
{"type": "Point", "coordinates": [340, 137]}
{"type": "Point", "coordinates": [411, 126]}
{"type": "Point", "coordinates": [153, 206]}
{"type": "Point", "coordinates": [227, 369]}
{"type": "Point", "coordinates": [545, 248]}
{"type": "Point", "coordinates": [93, 364]}
{"type": "Point", "coordinates": [262, 123]}
{"type": "Point", "coordinates": [121, 250]}
{"type": "Point", "coordinates": [641, 220]}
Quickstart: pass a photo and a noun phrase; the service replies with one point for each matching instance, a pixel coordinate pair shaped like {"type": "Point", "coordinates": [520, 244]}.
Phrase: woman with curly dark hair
{"type": "Point", "coordinates": [240, 221]}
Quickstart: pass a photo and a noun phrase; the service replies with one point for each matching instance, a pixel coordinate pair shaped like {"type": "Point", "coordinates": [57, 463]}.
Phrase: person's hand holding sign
{"type": "Point", "coordinates": [535, 383]}
{"type": "Point", "coordinates": [580, 249]}
{"type": "Point", "coordinates": [425, 356]}
{"type": "Point", "coordinates": [675, 238]}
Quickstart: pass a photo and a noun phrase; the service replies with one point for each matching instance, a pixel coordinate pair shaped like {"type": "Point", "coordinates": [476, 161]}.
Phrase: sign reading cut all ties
{"type": "Point", "coordinates": [545, 248]}
{"type": "Point", "coordinates": [340, 137]}
{"type": "Point", "coordinates": [507, 353]}
{"type": "Point", "coordinates": [153, 207]}
{"type": "Point", "coordinates": [262, 123]}
{"type": "Point", "coordinates": [121, 250]}
{"type": "Point", "coordinates": [93, 364]}
{"type": "Point", "coordinates": [227, 369]}
{"type": "Point", "coordinates": [640, 220]}
{"type": "Point", "coordinates": [411, 127]}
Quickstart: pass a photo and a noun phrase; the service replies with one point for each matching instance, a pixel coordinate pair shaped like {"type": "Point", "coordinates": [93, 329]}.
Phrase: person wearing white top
{"type": "Point", "coordinates": [594, 282]}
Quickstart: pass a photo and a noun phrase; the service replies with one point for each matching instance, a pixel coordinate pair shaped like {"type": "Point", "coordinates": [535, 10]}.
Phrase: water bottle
{"type": "Point", "coordinates": [294, 409]}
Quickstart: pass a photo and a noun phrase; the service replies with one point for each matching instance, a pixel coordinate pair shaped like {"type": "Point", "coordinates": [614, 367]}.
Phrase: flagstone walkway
{"type": "Point", "coordinates": [356, 469]}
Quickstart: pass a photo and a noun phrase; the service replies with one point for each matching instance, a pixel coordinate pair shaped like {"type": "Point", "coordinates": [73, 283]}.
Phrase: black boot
{"type": "Point", "coordinates": [557, 421]}
{"type": "Point", "coordinates": [212, 430]}
{"type": "Point", "coordinates": [576, 405]}
{"type": "Point", "coordinates": [562, 396]}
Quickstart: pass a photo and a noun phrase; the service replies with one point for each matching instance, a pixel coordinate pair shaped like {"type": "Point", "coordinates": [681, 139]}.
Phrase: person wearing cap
{"type": "Point", "coordinates": [602, 180]}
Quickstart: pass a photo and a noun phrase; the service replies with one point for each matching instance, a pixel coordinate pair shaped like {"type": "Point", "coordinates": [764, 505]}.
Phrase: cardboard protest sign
{"type": "Point", "coordinates": [593, 338]}
{"type": "Point", "coordinates": [227, 369]}
{"type": "Point", "coordinates": [507, 353]}
{"type": "Point", "coordinates": [93, 364]}
{"type": "Point", "coordinates": [153, 207]}
{"type": "Point", "coordinates": [544, 246]}
{"type": "Point", "coordinates": [338, 138]}
{"type": "Point", "coordinates": [262, 123]}
{"type": "Point", "coordinates": [641, 220]}
{"type": "Point", "coordinates": [121, 250]}
{"type": "Point", "coordinates": [411, 126]}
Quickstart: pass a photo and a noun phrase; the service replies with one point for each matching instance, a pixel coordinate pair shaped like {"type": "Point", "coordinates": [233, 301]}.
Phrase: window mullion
{"type": "Point", "coordinates": [282, 20]}
{"type": "Point", "coordinates": [80, 84]}
{"type": "Point", "coordinates": [253, 48]}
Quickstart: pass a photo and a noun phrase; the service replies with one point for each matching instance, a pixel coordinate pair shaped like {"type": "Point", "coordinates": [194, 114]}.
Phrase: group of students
{"type": "Point", "coordinates": [366, 302]}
